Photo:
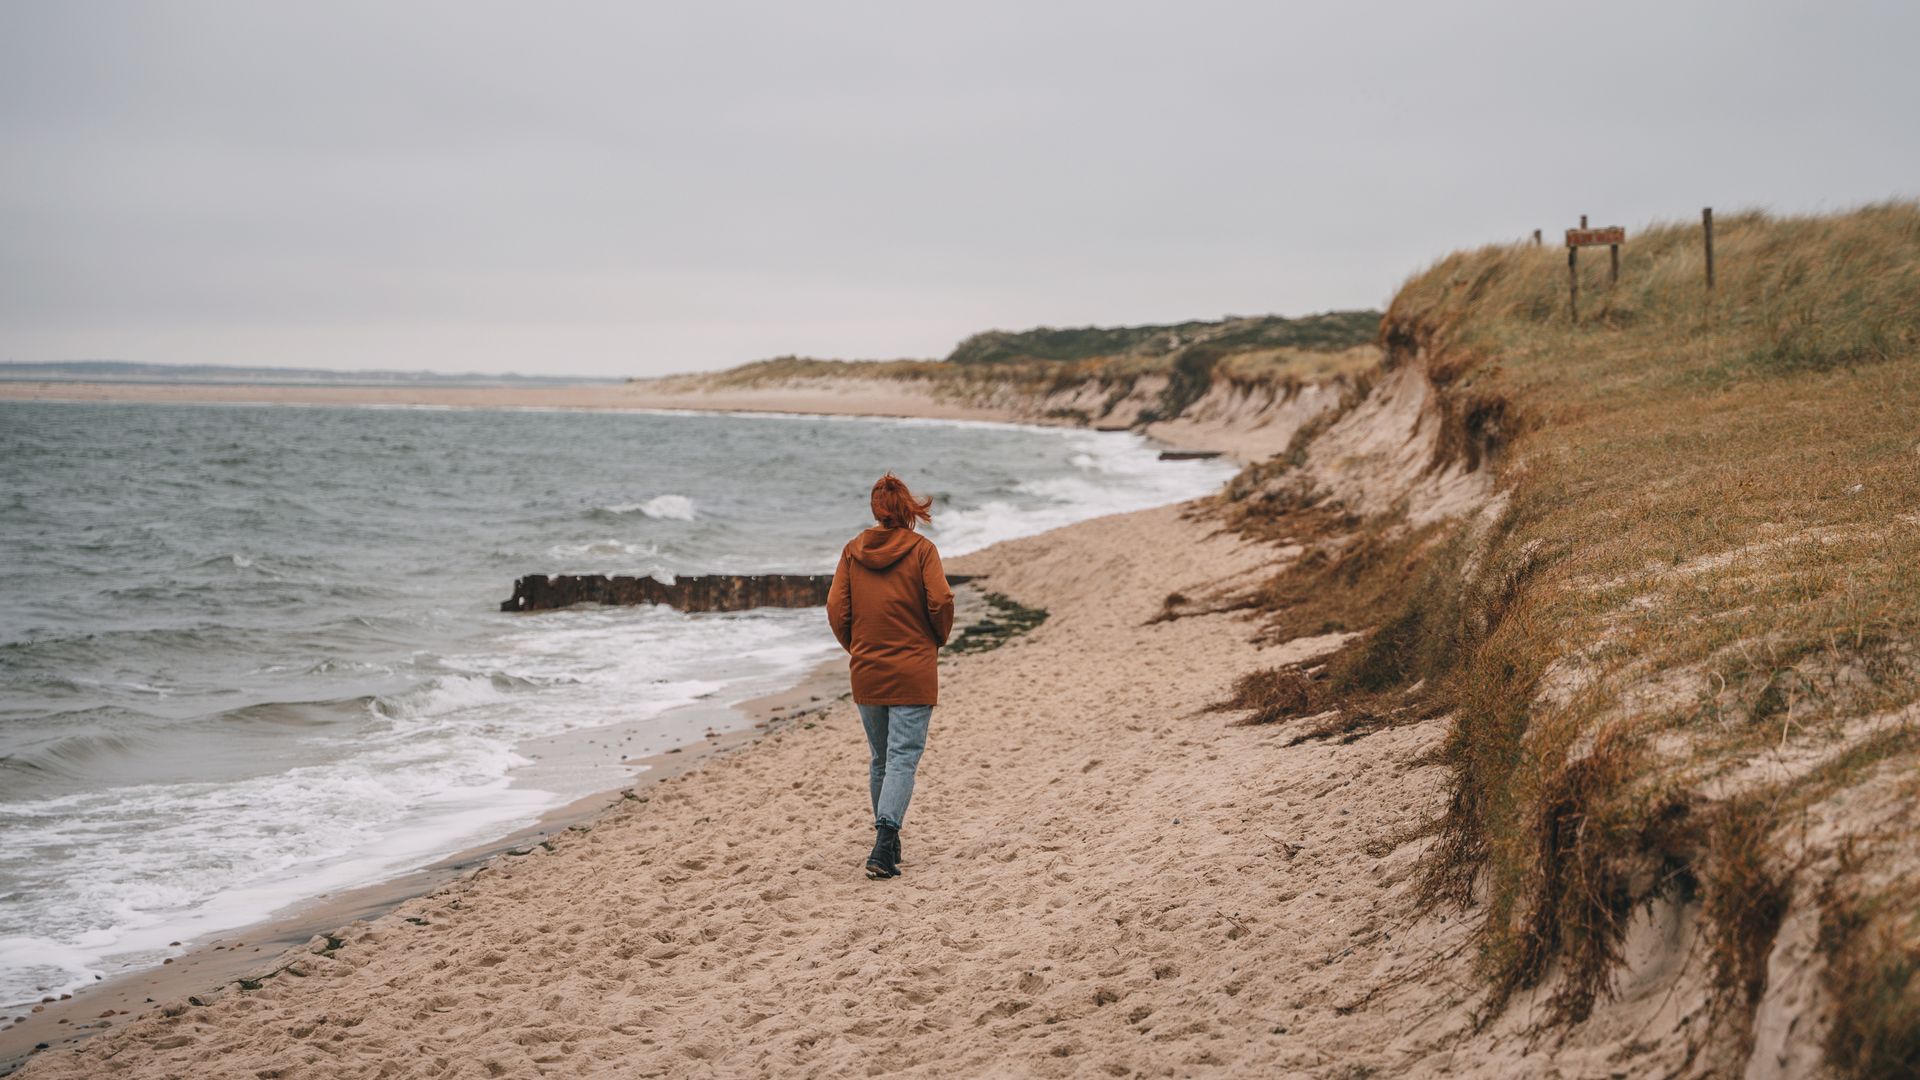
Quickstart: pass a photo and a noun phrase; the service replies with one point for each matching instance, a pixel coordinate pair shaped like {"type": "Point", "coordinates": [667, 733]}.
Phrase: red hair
{"type": "Point", "coordinates": [895, 507]}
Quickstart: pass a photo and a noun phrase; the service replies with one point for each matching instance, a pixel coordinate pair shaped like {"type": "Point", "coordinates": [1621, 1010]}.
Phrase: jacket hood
{"type": "Point", "coordinates": [877, 549]}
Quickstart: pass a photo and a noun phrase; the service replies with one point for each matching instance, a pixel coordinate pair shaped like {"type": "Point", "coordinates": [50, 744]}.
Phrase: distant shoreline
{"type": "Point", "coordinates": [1246, 436]}
{"type": "Point", "coordinates": [853, 398]}
{"type": "Point", "coordinates": [447, 383]}
{"type": "Point", "coordinates": [137, 373]}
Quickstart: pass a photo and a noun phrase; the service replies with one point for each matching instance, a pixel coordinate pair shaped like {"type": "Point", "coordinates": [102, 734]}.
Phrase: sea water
{"type": "Point", "coordinates": [253, 654]}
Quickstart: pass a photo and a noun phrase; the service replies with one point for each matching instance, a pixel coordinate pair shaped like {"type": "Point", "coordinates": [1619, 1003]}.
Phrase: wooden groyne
{"type": "Point", "coordinates": [700, 592]}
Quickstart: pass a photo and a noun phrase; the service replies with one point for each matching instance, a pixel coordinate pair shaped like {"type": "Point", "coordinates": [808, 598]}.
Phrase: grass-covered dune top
{"type": "Point", "coordinates": [1679, 648]}
{"type": "Point", "coordinates": [1252, 351]}
{"type": "Point", "coordinates": [785, 369]}
{"type": "Point", "coordinates": [1334, 331]}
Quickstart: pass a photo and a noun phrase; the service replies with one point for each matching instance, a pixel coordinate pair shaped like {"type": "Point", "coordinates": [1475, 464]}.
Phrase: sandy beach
{"type": "Point", "coordinates": [1098, 878]}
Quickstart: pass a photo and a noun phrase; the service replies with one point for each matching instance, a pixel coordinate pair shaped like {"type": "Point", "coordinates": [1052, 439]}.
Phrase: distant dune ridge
{"type": "Point", "coordinates": [1540, 699]}
{"type": "Point", "coordinates": [1245, 384]}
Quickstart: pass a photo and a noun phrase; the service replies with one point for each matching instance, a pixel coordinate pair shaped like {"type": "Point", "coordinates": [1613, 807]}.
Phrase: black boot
{"type": "Point", "coordinates": [885, 860]}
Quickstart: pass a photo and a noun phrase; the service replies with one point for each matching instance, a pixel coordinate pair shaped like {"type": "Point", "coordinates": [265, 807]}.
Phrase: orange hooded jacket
{"type": "Point", "coordinates": [892, 609]}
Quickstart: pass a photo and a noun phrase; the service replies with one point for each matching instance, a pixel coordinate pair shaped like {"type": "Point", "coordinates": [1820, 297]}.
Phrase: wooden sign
{"type": "Point", "coordinates": [1610, 238]}
{"type": "Point", "coordinates": [1596, 237]}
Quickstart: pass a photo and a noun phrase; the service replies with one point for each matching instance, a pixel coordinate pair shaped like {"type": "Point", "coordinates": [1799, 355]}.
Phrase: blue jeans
{"type": "Point", "coordinates": [896, 734]}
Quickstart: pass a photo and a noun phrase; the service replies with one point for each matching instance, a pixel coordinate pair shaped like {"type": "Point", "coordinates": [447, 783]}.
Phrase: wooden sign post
{"type": "Point", "coordinates": [1612, 237]}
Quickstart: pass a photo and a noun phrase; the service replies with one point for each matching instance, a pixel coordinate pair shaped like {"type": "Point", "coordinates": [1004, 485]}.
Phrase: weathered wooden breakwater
{"type": "Point", "coordinates": [700, 592]}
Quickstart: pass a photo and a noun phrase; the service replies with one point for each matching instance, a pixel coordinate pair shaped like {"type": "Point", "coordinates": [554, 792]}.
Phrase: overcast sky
{"type": "Point", "coordinates": [625, 188]}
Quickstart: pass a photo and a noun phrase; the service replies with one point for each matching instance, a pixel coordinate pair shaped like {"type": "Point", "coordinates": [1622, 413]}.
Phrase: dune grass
{"type": "Point", "coordinates": [1333, 331]}
{"type": "Point", "coordinates": [1259, 366]}
{"type": "Point", "coordinates": [786, 369]}
{"type": "Point", "coordinates": [1709, 559]}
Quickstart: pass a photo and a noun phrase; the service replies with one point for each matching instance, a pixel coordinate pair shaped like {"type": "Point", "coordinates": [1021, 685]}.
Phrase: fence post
{"type": "Point", "coordinates": [1573, 281]}
{"type": "Point", "coordinates": [1706, 225]}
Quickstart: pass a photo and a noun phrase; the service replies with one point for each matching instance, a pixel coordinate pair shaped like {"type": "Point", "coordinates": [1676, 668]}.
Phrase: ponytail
{"type": "Point", "coordinates": [895, 507]}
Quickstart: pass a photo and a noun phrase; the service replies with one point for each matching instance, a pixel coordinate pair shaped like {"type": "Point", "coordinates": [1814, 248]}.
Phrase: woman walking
{"type": "Point", "coordinates": [891, 608]}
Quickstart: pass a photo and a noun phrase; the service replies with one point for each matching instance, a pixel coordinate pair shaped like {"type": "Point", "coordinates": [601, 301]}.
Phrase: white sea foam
{"type": "Point", "coordinates": [153, 864]}
{"type": "Point", "coordinates": [442, 695]}
{"type": "Point", "coordinates": [661, 507]}
{"type": "Point", "coordinates": [601, 549]}
{"type": "Point", "coordinates": [1115, 473]}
